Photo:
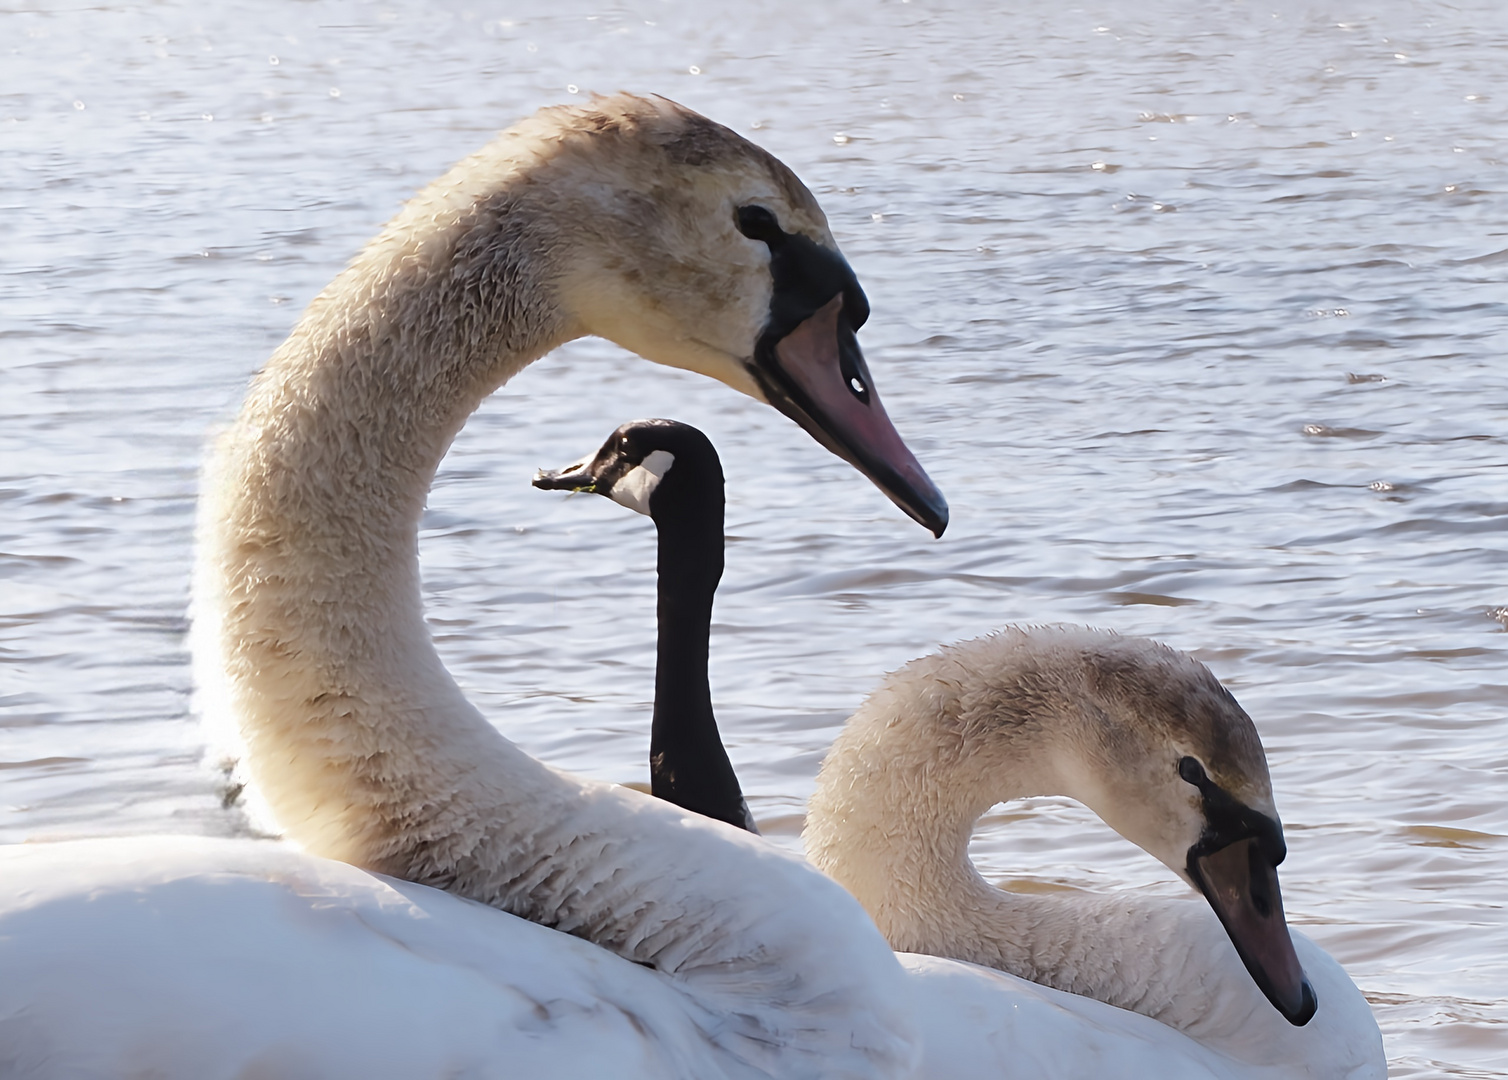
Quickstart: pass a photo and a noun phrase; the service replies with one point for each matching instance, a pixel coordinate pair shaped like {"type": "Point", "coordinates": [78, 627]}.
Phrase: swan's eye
{"type": "Point", "coordinates": [757, 223]}
{"type": "Point", "coordinates": [1192, 772]}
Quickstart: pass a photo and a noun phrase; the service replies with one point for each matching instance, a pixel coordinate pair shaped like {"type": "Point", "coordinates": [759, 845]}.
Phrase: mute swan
{"type": "Point", "coordinates": [670, 472]}
{"type": "Point", "coordinates": [1150, 741]}
{"type": "Point", "coordinates": [1144, 735]}
{"type": "Point", "coordinates": [630, 218]}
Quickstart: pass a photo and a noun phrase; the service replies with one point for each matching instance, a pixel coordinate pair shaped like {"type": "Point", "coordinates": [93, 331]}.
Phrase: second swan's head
{"type": "Point", "coordinates": [1143, 735]}
{"type": "Point", "coordinates": [695, 248]}
{"type": "Point", "coordinates": [1165, 755]}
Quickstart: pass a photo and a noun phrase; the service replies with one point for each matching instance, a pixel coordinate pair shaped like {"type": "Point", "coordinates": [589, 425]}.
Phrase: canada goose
{"type": "Point", "coordinates": [670, 472]}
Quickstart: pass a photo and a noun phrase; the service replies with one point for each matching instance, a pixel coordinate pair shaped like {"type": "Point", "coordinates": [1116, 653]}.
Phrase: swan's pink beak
{"type": "Point", "coordinates": [821, 382]}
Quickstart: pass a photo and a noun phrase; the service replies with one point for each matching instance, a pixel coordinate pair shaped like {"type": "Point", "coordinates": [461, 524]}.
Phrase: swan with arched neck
{"type": "Point", "coordinates": [1147, 738]}
{"type": "Point", "coordinates": [630, 218]}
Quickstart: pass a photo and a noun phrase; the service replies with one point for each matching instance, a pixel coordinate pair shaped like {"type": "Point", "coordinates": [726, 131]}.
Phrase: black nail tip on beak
{"type": "Point", "coordinates": [936, 518]}
{"type": "Point", "coordinates": [927, 508]}
{"type": "Point", "coordinates": [1308, 1006]}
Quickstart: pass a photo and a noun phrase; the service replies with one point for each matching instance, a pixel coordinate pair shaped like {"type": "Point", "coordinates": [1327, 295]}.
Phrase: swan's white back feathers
{"type": "Point", "coordinates": [187, 958]}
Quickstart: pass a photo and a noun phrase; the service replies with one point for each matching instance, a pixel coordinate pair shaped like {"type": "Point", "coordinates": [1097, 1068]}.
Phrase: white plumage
{"type": "Point", "coordinates": [1104, 719]}
{"type": "Point", "coordinates": [710, 954]}
{"type": "Point", "coordinates": [192, 958]}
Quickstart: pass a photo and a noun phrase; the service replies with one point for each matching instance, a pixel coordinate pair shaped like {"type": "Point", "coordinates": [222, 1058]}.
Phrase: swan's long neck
{"type": "Point", "coordinates": [893, 812]}
{"type": "Point", "coordinates": [896, 802]}
{"type": "Point", "coordinates": [354, 734]}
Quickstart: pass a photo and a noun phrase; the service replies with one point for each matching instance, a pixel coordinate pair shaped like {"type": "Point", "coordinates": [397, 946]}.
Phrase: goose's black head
{"type": "Point", "coordinates": [661, 468]}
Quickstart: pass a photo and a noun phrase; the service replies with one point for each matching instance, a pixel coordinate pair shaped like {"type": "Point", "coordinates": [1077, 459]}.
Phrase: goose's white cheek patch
{"type": "Point", "coordinates": [639, 483]}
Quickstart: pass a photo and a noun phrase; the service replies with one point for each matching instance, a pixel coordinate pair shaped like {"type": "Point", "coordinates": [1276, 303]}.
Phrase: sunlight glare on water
{"type": "Point", "coordinates": [1196, 314]}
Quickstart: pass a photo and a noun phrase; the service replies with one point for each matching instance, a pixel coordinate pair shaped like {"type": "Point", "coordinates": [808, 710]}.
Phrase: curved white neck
{"type": "Point", "coordinates": [311, 642]}
{"type": "Point", "coordinates": [354, 735]}
{"type": "Point", "coordinates": [310, 639]}
{"type": "Point", "coordinates": [891, 820]}
{"type": "Point", "coordinates": [1022, 713]}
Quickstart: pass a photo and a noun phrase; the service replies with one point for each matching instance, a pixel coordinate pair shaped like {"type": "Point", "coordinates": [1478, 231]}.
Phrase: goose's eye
{"type": "Point", "coordinates": [757, 223]}
{"type": "Point", "coordinates": [1191, 771]}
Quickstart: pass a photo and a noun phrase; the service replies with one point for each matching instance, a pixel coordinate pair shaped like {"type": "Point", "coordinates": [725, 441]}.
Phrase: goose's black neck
{"type": "Point", "coordinates": [687, 763]}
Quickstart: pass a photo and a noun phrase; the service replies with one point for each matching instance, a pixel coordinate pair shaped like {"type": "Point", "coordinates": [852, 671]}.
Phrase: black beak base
{"type": "Point", "coordinates": [1240, 882]}
{"type": "Point", "coordinates": [808, 365]}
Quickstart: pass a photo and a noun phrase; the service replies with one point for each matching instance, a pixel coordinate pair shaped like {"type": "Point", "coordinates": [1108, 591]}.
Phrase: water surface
{"type": "Point", "coordinates": [1197, 318]}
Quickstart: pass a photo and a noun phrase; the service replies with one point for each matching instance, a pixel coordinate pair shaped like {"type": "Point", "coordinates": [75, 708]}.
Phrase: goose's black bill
{"type": "Point", "coordinates": [577, 477]}
{"type": "Point", "coordinates": [1240, 881]}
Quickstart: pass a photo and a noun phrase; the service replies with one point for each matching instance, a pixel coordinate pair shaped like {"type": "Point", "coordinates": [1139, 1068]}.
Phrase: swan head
{"type": "Point", "coordinates": [697, 249]}
{"type": "Point", "coordinates": [1168, 758]}
{"type": "Point", "coordinates": [633, 468]}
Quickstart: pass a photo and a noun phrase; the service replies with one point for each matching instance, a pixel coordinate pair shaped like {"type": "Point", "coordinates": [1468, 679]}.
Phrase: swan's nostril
{"type": "Point", "coordinates": [857, 386]}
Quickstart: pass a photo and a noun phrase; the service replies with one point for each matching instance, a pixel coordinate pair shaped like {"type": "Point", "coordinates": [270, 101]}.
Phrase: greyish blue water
{"type": "Point", "coordinates": [1195, 312]}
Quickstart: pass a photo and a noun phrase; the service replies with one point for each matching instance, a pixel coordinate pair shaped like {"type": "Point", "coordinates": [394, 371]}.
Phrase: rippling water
{"type": "Point", "coordinates": [1198, 319]}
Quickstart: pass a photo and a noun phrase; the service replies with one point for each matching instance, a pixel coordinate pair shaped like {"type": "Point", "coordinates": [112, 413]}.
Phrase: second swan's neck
{"type": "Point", "coordinates": [891, 820]}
